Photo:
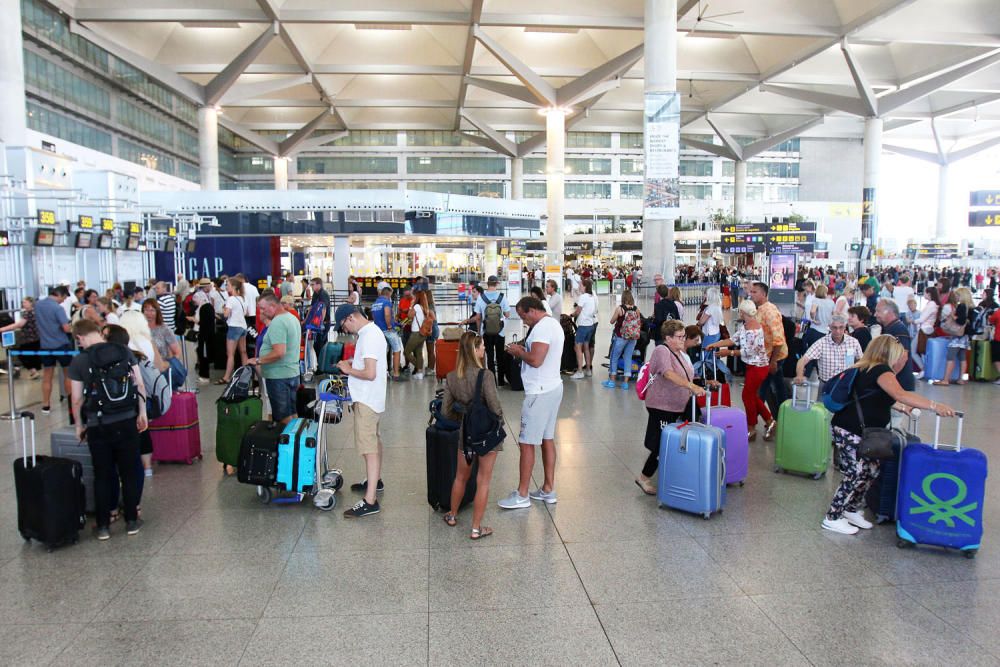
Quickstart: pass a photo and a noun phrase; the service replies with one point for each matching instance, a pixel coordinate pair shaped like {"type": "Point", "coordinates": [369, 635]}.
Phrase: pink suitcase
{"type": "Point", "coordinates": [733, 423]}
{"type": "Point", "coordinates": [177, 435]}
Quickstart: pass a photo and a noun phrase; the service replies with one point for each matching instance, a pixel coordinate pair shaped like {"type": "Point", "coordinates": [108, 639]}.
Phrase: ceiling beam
{"type": "Point", "coordinates": [288, 145]}
{"type": "Point", "coordinates": [475, 14]}
{"type": "Point", "coordinates": [767, 143]}
{"type": "Point", "coordinates": [897, 123]}
{"type": "Point", "coordinates": [485, 142]}
{"type": "Point", "coordinates": [538, 86]}
{"type": "Point", "coordinates": [971, 104]}
{"type": "Point", "coordinates": [714, 149]}
{"type": "Point", "coordinates": [865, 92]}
{"type": "Point", "coordinates": [955, 156]}
{"type": "Point", "coordinates": [224, 80]}
{"type": "Point", "coordinates": [246, 91]}
{"type": "Point", "coordinates": [895, 100]}
{"type": "Point", "coordinates": [733, 146]}
{"type": "Point", "coordinates": [168, 15]}
{"type": "Point", "coordinates": [590, 92]}
{"type": "Point", "coordinates": [314, 143]}
{"type": "Point", "coordinates": [307, 67]}
{"type": "Point", "coordinates": [579, 89]}
{"type": "Point", "coordinates": [850, 105]}
{"type": "Point", "coordinates": [507, 89]}
{"type": "Point", "coordinates": [500, 143]}
{"type": "Point", "coordinates": [942, 153]}
{"type": "Point", "coordinates": [266, 144]}
{"type": "Point", "coordinates": [914, 153]}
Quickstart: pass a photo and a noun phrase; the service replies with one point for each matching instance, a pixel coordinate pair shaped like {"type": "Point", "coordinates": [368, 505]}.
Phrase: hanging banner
{"type": "Point", "coordinates": [662, 129]}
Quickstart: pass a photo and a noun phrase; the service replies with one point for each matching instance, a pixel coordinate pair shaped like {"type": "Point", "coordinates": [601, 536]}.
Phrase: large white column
{"type": "Point", "coordinates": [941, 229]}
{"type": "Point", "coordinates": [489, 259]}
{"type": "Point", "coordinates": [208, 147]}
{"type": "Point", "coordinates": [660, 67]}
{"type": "Point", "coordinates": [869, 214]}
{"type": "Point", "coordinates": [341, 262]}
{"type": "Point", "coordinates": [739, 189]}
{"type": "Point", "coordinates": [12, 111]}
{"type": "Point", "coordinates": [555, 171]}
{"type": "Point", "coordinates": [517, 178]}
{"type": "Point", "coordinates": [280, 173]}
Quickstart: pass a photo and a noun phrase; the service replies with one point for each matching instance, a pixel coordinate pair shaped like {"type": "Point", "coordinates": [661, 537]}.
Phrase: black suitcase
{"type": "Point", "coordinates": [442, 463]}
{"type": "Point", "coordinates": [304, 396]}
{"type": "Point", "coordinates": [512, 371]}
{"type": "Point", "coordinates": [51, 498]}
{"type": "Point", "coordinates": [259, 454]}
{"type": "Point", "coordinates": [881, 495]}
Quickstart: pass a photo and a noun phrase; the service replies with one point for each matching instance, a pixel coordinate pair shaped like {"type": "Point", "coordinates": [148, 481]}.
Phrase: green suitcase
{"type": "Point", "coordinates": [984, 368]}
{"type": "Point", "coordinates": [233, 420]}
{"type": "Point", "coordinates": [803, 443]}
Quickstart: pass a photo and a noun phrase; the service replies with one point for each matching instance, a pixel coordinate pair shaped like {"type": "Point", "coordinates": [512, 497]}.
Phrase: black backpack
{"type": "Point", "coordinates": [111, 391]}
{"type": "Point", "coordinates": [482, 430]}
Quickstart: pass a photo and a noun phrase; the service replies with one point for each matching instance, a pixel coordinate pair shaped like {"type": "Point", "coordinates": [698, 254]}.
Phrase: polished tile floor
{"type": "Point", "coordinates": [603, 577]}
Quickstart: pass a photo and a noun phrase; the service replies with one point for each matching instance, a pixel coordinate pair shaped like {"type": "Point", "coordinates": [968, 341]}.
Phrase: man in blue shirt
{"type": "Point", "coordinates": [491, 309]}
{"type": "Point", "coordinates": [382, 316]}
{"type": "Point", "coordinates": [53, 334]}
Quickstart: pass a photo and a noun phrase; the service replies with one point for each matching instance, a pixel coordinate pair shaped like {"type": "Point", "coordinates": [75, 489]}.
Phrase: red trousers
{"type": "Point", "coordinates": [752, 402]}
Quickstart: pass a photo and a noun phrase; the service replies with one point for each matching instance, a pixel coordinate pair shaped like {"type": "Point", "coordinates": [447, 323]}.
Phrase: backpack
{"type": "Point", "coordinates": [838, 391]}
{"type": "Point", "coordinates": [158, 392]}
{"type": "Point", "coordinates": [665, 310]}
{"type": "Point", "coordinates": [427, 327]}
{"type": "Point", "coordinates": [111, 390]}
{"type": "Point", "coordinates": [643, 380]}
{"type": "Point", "coordinates": [188, 305]}
{"type": "Point", "coordinates": [482, 430]}
{"type": "Point", "coordinates": [631, 324]}
{"type": "Point", "coordinates": [976, 322]}
{"type": "Point", "coordinates": [316, 316]}
{"type": "Point", "coordinates": [492, 317]}
{"type": "Point", "coordinates": [238, 388]}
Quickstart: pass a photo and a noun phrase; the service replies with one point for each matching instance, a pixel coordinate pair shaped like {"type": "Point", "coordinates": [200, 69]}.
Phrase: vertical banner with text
{"type": "Point", "coordinates": [661, 195]}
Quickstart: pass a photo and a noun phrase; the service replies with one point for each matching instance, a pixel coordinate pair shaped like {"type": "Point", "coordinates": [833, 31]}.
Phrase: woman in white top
{"type": "Point", "coordinates": [586, 324]}
{"type": "Point", "coordinates": [926, 323]}
{"type": "Point", "coordinates": [844, 301]}
{"type": "Point", "coordinates": [822, 311]}
{"type": "Point", "coordinates": [414, 350]}
{"type": "Point", "coordinates": [711, 322]}
{"type": "Point", "coordinates": [235, 312]}
{"type": "Point", "coordinates": [353, 292]}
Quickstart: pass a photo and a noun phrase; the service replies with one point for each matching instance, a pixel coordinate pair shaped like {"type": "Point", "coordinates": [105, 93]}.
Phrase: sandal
{"type": "Point", "coordinates": [646, 487]}
{"type": "Point", "coordinates": [221, 381]}
{"type": "Point", "coordinates": [450, 519]}
{"type": "Point", "coordinates": [480, 533]}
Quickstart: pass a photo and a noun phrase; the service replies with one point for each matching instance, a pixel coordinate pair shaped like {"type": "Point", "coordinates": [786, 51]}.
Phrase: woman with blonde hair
{"type": "Point", "coordinates": [877, 392]}
{"type": "Point", "coordinates": [711, 322]}
{"type": "Point", "coordinates": [460, 387]}
{"type": "Point", "coordinates": [955, 320]}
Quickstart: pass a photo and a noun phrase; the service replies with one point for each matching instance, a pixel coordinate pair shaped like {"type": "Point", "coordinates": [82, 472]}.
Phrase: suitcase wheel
{"type": "Point", "coordinates": [706, 516]}
{"type": "Point", "coordinates": [264, 493]}
{"type": "Point", "coordinates": [778, 469]}
{"type": "Point", "coordinates": [904, 544]}
{"type": "Point", "coordinates": [818, 475]}
{"type": "Point", "coordinates": [26, 538]}
{"type": "Point", "coordinates": [971, 553]}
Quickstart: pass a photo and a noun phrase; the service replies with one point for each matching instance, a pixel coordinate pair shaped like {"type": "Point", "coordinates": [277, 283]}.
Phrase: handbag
{"type": "Point", "coordinates": [877, 442]}
{"type": "Point", "coordinates": [178, 373]}
{"type": "Point", "coordinates": [922, 339]}
{"type": "Point", "coordinates": [951, 326]}
{"type": "Point", "coordinates": [724, 332]}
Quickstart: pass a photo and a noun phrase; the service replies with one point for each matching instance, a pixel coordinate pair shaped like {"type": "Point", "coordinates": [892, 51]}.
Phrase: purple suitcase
{"type": "Point", "coordinates": [177, 435]}
{"type": "Point", "coordinates": [733, 423]}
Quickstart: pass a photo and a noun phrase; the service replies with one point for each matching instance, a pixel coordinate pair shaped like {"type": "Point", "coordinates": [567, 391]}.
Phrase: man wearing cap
{"type": "Point", "coordinates": [366, 380]}
{"type": "Point", "coordinates": [490, 310]}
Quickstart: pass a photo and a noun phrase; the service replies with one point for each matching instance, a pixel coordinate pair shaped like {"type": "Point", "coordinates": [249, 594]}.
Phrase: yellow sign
{"type": "Point", "coordinates": [134, 228]}
{"type": "Point", "coordinates": [46, 217]}
{"type": "Point", "coordinates": [86, 221]}
{"type": "Point", "coordinates": [107, 225]}
{"type": "Point", "coordinates": [172, 232]}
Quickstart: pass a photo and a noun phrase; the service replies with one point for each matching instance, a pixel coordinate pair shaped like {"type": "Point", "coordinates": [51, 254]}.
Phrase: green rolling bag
{"type": "Point", "coordinates": [233, 421]}
{"type": "Point", "coordinates": [984, 369]}
{"type": "Point", "coordinates": [803, 443]}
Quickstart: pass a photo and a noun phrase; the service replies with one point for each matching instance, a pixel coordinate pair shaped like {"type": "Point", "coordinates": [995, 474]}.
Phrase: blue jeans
{"type": "Point", "coordinates": [281, 396]}
{"type": "Point", "coordinates": [621, 348]}
{"type": "Point", "coordinates": [719, 366]}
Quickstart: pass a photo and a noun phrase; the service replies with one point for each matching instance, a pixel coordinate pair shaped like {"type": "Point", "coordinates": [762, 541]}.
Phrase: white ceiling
{"type": "Point", "coordinates": [413, 78]}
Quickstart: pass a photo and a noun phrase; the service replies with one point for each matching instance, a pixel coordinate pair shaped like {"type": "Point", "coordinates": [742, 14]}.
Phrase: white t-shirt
{"type": "Point", "coordinates": [371, 345]}
{"type": "Point", "coordinates": [418, 318]}
{"type": "Point", "coordinates": [546, 377]}
{"type": "Point", "coordinates": [354, 298]}
{"type": "Point", "coordinates": [554, 303]}
{"type": "Point", "coordinates": [237, 312]}
{"type": "Point", "coordinates": [901, 294]}
{"type": "Point", "coordinates": [250, 295]}
{"type": "Point", "coordinates": [111, 318]}
{"type": "Point", "coordinates": [588, 310]}
{"type": "Point", "coordinates": [711, 326]}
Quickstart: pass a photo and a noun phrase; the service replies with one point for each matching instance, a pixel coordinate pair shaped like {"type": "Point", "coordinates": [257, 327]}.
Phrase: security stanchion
{"type": "Point", "coordinates": [10, 389]}
{"type": "Point", "coordinates": [187, 379]}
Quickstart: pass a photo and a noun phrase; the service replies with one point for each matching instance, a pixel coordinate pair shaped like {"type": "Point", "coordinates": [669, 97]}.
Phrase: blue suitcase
{"type": "Point", "coordinates": [941, 495]}
{"type": "Point", "coordinates": [881, 495]}
{"type": "Point", "coordinates": [935, 359]}
{"type": "Point", "coordinates": [692, 468]}
{"type": "Point", "coordinates": [297, 456]}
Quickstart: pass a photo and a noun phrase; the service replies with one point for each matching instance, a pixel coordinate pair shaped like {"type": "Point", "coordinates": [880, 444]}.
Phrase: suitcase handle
{"type": "Point", "coordinates": [958, 437]}
{"type": "Point", "coordinates": [795, 394]}
{"type": "Point", "coordinates": [29, 417]}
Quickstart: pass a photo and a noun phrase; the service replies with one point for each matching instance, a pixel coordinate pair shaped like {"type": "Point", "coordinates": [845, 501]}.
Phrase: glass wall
{"type": "Point", "coordinates": [456, 165]}
{"type": "Point", "coordinates": [146, 156]}
{"type": "Point", "coordinates": [61, 85]}
{"type": "Point", "coordinates": [588, 191]}
{"type": "Point", "coordinates": [347, 165]}
{"type": "Point", "coordinates": [581, 166]}
{"type": "Point", "coordinates": [695, 168]}
{"type": "Point", "coordinates": [588, 140]}
{"type": "Point", "coordinates": [347, 185]}
{"type": "Point", "coordinates": [436, 138]}
{"type": "Point", "coordinates": [362, 137]}
{"type": "Point", "coordinates": [757, 169]}
{"type": "Point", "coordinates": [632, 166]}
{"type": "Point", "coordinates": [476, 189]}
{"type": "Point", "coordinates": [631, 191]}
{"type": "Point", "coordinates": [47, 121]}
{"type": "Point", "coordinates": [630, 140]}
{"type": "Point", "coordinates": [254, 164]}
{"type": "Point", "coordinates": [696, 191]}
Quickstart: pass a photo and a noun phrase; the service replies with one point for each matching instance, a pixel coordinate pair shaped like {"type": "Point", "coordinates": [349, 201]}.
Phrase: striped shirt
{"type": "Point", "coordinates": [168, 306]}
{"type": "Point", "coordinates": [832, 357]}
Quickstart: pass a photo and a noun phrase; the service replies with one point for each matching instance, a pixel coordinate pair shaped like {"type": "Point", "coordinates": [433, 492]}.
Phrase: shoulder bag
{"type": "Point", "coordinates": [877, 443]}
{"type": "Point", "coordinates": [482, 431]}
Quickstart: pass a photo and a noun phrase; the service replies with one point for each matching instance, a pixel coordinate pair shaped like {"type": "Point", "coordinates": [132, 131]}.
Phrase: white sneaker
{"type": "Point", "coordinates": [841, 525]}
{"type": "Point", "coordinates": [589, 372]}
{"type": "Point", "coordinates": [547, 498]}
{"type": "Point", "coordinates": [202, 380]}
{"type": "Point", "coordinates": [858, 519]}
{"type": "Point", "coordinates": [418, 376]}
{"type": "Point", "coordinates": [996, 382]}
{"type": "Point", "coordinates": [577, 375]}
{"type": "Point", "coordinates": [514, 501]}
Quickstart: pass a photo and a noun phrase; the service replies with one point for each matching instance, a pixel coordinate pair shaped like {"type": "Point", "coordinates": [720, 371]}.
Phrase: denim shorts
{"type": "Point", "coordinates": [48, 361]}
{"type": "Point", "coordinates": [584, 333]}
{"type": "Point", "coordinates": [281, 396]}
{"type": "Point", "coordinates": [235, 333]}
{"type": "Point", "coordinates": [394, 341]}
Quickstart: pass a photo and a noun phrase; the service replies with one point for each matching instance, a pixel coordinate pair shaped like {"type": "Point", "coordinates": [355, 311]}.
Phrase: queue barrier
{"type": "Point", "coordinates": [11, 353]}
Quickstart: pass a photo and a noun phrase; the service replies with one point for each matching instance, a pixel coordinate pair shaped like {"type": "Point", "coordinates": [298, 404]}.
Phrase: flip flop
{"type": "Point", "coordinates": [480, 533]}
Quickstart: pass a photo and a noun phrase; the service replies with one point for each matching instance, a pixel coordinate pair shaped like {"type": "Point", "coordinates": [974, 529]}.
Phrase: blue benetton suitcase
{"type": "Point", "coordinates": [297, 456]}
{"type": "Point", "coordinates": [941, 495]}
{"type": "Point", "coordinates": [692, 468]}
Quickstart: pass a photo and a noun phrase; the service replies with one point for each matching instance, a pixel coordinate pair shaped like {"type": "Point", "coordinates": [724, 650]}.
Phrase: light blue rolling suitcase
{"type": "Point", "coordinates": [936, 358]}
{"type": "Point", "coordinates": [692, 468]}
{"type": "Point", "coordinates": [297, 456]}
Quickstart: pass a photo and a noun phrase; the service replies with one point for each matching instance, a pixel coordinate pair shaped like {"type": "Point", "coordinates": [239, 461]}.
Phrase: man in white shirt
{"type": "Point", "coordinates": [554, 298]}
{"type": "Point", "coordinates": [586, 325]}
{"type": "Point", "coordinates": [367, 377]}
{"type": "Point", "coordinates": [540, 358]}
{"type": "Point", "coordinates": [902, 293]}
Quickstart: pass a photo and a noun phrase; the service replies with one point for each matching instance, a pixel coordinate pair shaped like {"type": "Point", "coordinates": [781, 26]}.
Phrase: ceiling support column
{"type": "Point", "coordinates": [739, 190]}
{"type": "Point", "coordinates": [555, 178]}
{"type": "Point", "coordinates": [280, 173]}
{"type": "Point", "coordinates": [208, 147]}
{"type": "Point", "coordinates": [12, 112]}
{"type": "Point", "coordinates": [941, 228]}
{"type": "Point", "coordinates": [517, 178]}
{"type": "Point", "coordinates": [660, 53]}
{"type": "Point", "coordinates": [869, 196]}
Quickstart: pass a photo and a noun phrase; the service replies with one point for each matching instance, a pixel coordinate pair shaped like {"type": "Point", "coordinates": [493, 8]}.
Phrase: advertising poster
{"type": "Point", "coordinates": [782, 273]}
{"type": "Point", "coordinates": [662, 191]}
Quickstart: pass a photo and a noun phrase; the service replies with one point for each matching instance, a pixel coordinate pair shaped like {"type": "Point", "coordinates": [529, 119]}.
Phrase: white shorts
{"type": "Point", "coordinates": [538, 416]}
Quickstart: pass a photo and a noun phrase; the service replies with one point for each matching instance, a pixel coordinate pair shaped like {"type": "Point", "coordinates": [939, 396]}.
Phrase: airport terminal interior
{"type": "Point", "coordinates": [837, 159]}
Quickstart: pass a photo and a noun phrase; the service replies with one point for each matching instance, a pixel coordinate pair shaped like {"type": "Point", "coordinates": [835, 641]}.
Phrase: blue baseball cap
{"type": "Point", "coordinates": [343, 312]}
